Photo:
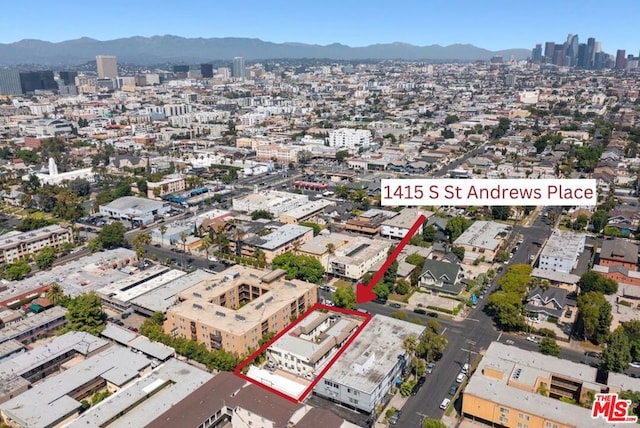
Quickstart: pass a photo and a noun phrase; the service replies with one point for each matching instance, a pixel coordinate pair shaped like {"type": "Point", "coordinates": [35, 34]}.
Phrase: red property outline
{"type": "Point", "coordinates": [318, 306]}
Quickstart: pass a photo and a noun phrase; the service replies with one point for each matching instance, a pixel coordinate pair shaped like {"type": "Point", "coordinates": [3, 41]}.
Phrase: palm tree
{"type": "Point", "coordinates": [206, 243]}
{"type": "Point", "coordinates": [410, 344]}
{"type": "Point", "coordinates": [183, 239]}
{"type": "Point", "coordinates": [331, 249]}
{"type": "Point", "coordinates": [163, 230]}
{"type": "Point", "coordinates": [55, 294]}
{"type": "Point", "coordinates": [238, 234]}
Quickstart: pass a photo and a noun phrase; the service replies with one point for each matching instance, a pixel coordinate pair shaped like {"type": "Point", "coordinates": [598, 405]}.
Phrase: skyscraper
{"type": "Point", "coordinates": [591, 52]}
{"type": "Point", "coordinates": [582, 56]}
{"type": "Point", "coordinates": [206, 70]}
{"type": "Point", "coordinates": [68, 77]}
{"type": "Point", "coordinates": [238, 70]}
{"type": "Point", "coordinates": [10, 82]}
{"type": "Point", "coordinates": [571, 48]}
{"type": "Point", "coordinates": [549, 50]}
{"type": "Point", "coordinates": [32, 81]}
{"type": "Point", "coordinates": [621, 59]}
{"type": "Point", "coordinates": [107, 67]}
{"type": "Point", "coordinates": [536, 53]}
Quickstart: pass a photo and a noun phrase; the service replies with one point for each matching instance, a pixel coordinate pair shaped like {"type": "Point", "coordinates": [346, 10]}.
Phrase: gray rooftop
{"type": "Point", "coordinates": [307, 208]}
{"type": "Point", "coordinates": [282, 236]}
{"type": "Point", "coordinates": [507, 359]}
{"type": "Point", "coordinates": [161, 298]}
{"type": "Point", "coordinates": [563, 245]}
{"type": "Point", "coordinates": [14, 330]}
{"type": "Point", "coordinates": [134, 204]}
{"type": "Point", "coordinates": [9, 347]}
{"type": "Point", "coordinates": [116, 365]}
{"type": "Point", "coordinates": [136, 406]}
{"type": "Point", "coordinates": [483, 234]}
{"type": "Point", "coordinates": [620, 250]}
{"type": "Point", "coordinates": [118, 334]}
{"type": "Point", "coordinates": [373, 354]}
{"type": "Point", "coordinates": [405, 219]}
{"type": "Point", "coordinates": [153, 349]}
{"type": "Point", "coordinates": [13, 238]}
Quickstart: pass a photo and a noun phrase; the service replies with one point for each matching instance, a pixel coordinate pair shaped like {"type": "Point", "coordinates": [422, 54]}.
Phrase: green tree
{"type": "Point", "coordinates": [302, 267]}
{"type": "Point", "coordinates": [315, 226]}
{"type": "Point", "coordinates": [432, 344]}
{"type": "Point", "coordinates": [163, 230]}
{"type": "Point", "coordinates": [581, 222]}
{"type": "Point", "coordinates": [456, 226]}
{"type": "Point", "coordinates": [548, 346]}
{"type": "Point", "coordinates": [345, 297]}
{"type": "Point", "coordinates": [599, 220]}
{"type": "Point", "coordinates": [429, 233]}
{"type": "Point", "coordinates": [55, 294]}
{"type": "Point", "coordinates": [18, 270]}
{"type": "Point", "coordinates": [506, 308]}
{"type": "Point", "coordinates": [112, 235]}
{"type": "Point", "coordinates": [85, 314]}
{"type": "Point", "coordinates": [382, 290]}
{"type": "Point", "coordinates": [45, 258]}
{"type": "Point", "coordinates": [502, 256]}
{"type": "Point", "coordinates": [591, 316]}
{"type": "Point", "coordinates": [433, 423]}
{"type": "Point", "coordinates": [500, 213]}
{"type": "Point", "coordinates": [264, 214]}
{"type": "Point", "coordinates": [402, 286]}
{"type": "Point", "coordinates": [94, 245]}
{"type": "Point", "coordinates": [451, 118]}
{"type": "Point", "coordinates": [617, 355]}
{"type": "Point", "coordinates": [593, 281]}
{"type": "Point", "coordinates": [415, 259]}
{"type": "Point", "coordinates": [406, 387]}
{"type": "Point", "coordinates": [604, 323]}
{"type": "Point", "coordinates": [458, 251]}
{"type": "Point", "coordinates": [341, 155]}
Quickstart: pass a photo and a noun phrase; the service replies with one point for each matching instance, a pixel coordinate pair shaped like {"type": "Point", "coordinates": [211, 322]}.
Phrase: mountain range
{"type": "Point", "coordinates": [173, 49]}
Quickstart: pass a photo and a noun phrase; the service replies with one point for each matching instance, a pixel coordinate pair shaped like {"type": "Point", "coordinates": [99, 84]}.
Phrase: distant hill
{"type": "Point", "coordinates": [174, 49]}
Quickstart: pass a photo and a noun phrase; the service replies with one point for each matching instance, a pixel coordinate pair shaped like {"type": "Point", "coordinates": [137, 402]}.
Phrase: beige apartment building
{"type": "Point", "coordinates": [234, 309]}
{"type": "Point", "coordinates": [15, 245]}
{"type": "Point", "coordinates": [171, 184]}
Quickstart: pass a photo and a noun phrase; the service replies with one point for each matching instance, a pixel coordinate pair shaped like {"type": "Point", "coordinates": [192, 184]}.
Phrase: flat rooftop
{"type": "Point", "coordinates": [483, 234]}
{"type": "Point", "coordinates": [140, 403]}
{"type": "Point", "coordinates": [406, 218]}
{"type": "Point", "coordinates": [527, 366]}
{"type": "Point", "coordinates": [77, 277]}
{"type": "Point", "coordinates": [13, 238]}
{"type": "Point", "coordinates": [282, 236]}
{"type": "Point", "coordinates": [14, 330]}
{"type": "Point", "coordinates": [163, 297]}
{"type": "Point", "coordinates": [115, 365]}
{"type": "Point", "coordinates": [307, 209]}
{"type": "Point", "coordinates": [134, 204]}
{"type": "Point", "coordinates": [563, 244]}
{"type": "Point", "coordinates": [359, 249]}
{"type": "Point", "coordinates": [373, 354]}
{"type": "Point", "coordinates": [318, 244]}
{"type": "Point", "coordinates": [271, 198]}
{"type": "Point", "coordinates": [197, 305]}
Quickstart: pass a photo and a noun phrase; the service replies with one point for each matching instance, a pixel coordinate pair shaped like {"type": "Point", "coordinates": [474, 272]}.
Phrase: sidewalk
{"type": "Point", "coordinates": [397, 402]}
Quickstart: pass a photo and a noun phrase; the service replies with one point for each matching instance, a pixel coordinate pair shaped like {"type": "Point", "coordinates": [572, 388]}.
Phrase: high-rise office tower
{"type": "Point", "coordinates": [510, 79]}
{"type": "Point", "coordinates": [621, 59]}
{"type": "Point", "coordinates": [206, 70]}
{"type": "Point", "coordinates": [536, 53]}
{"type": "Point", "coordinates": [591, 52]}
{"type": "Point", "coordinates": [68, 77]}
{"type": "Point", "coordinates": [238, 69]}
{"type": "Point", "coordinates": [549, 50]}
{"type": "Point", "coordinates": [582, 56]}
{"type": "Point", "coordinates": [32, 81]}
{"type": "Point", "coordinates": [571, 48]}
{"type": "Point", "coordinates": [107, 67]}
{"type": "Point", "coordinates": [10, 82]}
{"type": "Point", "coordinates": [559, 56]}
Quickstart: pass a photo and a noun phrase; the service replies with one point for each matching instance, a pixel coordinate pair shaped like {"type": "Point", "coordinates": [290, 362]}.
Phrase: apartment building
{"type": "Point", "coordinates": [16, 245]}
{"type": "Point", "coordinates": [561, 252]}
{"type": "Point", "coordinates": [311, 343]}
{"type": "Point", "coordinates": [278, 153]}
{"type": "Point", "coordinates": [619, 252]}
{"type": "Point", "coordinates": [369, 223]}
{"type": "Point", "coordinates": [482, 239]}
{"type": "Point", "coordinates": [398, 226]}
{"type": "Point", "coordinates": [170, 184]}
{"type": "Point", "coordinates": [281, 240]}
{"type": "Point", "coordinates": [43, 323]}
{"type": "Point", "coordinates": [351, 139]}
{"type": "Point", "coordinates": [516, 388]}
{"type": "Point", "coordinates": [357, 256]}
{"type": "Point", "coordinates": [237, 307]}
{"type": "Point", "coordinates": [274, 201]}
{"type": "Point", "coordinates": [310, 211]}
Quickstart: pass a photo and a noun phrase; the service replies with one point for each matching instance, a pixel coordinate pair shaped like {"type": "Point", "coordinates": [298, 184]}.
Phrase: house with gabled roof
{"type": "Point", "coordinates": [548, 301]}
{"type": "Point", "coordinates": [441, 277]}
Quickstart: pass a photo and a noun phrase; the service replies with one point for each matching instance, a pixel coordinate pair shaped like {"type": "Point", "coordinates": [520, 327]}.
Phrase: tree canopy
{"type": "Point", "coordinates": [594, 316]}
{"type": "Point", "coordinates": [304, 268]}
{"type": "Point", "coordinates": [617, 355]}
{"type": "Point", "coordinates": [593, 281]}
{"type": "Point", "coordinates": [264, 214]}
{"type": "Point", "coordinates": [112, 235]}
{"type": "Point", "coordinates": [456, 226]}
{"type": "Point", "coordinates": [45, 258]}
{"type": "Point", "coordinates": [345, 297]}
{"type": "Point", "coordinates": [85, 314]}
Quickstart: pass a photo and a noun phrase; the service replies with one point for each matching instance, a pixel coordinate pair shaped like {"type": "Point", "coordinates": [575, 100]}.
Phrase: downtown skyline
{"type": "Point", "coordinates": [493, 25]}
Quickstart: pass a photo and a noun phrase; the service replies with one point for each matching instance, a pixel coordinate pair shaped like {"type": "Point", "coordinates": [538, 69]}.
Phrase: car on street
{"type": "Point", "coordinates": [453, 389]}
{"type": "Point", "coordinates": [635, 364]}
{"type": "Point", "coordinates": [395, 305]}
{"type": "Point", "coordinates": [445, 403]}
{"type": "Point", "coordinates": [509, 342]}
{"type": "Point", "coordinates": [430, 368]}
{"type": "Point", "coordinates": [432, 315]}
{"type": "Point", "coordinates": [460, 377]}
{"type": "Point", "coordinates": [592, 354]}
{"type": "Point", "coordinates": [418, 385]}
{"type": "Point", "coordinates": [420, 311]}
{"type": "Point", "coordinates": [394, 418]}
{"type": "Point", "coordinates": [533, 339]}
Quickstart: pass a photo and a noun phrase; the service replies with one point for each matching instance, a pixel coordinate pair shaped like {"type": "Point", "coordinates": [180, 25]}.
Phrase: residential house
{"type": "Point", "coordinates": [619, 252]}
{"type": "Point", "coordinates": [441, 277]}
{"type": "Point", "coordinates": [547, 302]}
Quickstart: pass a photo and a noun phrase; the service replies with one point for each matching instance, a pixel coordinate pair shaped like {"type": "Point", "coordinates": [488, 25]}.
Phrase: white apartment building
{"type": "Point", "coordinates": [357, 256]}
{"type": "Point", "coordinates": [46, 127]}
{"type": "Point", "coordinates": [16, 245]}
{"type": "Point", "coordinates": [176, 109]}
{"type": "Point", "coordinates": [561, 251]}
{"type": "Point", "coordinates": [351, 139]}
{"type": "Point", "coordinates": [274, 201]}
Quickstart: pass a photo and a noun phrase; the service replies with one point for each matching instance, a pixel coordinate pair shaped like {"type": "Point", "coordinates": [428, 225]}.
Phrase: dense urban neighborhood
{"type": "Point", "coordinates": [160, 227]}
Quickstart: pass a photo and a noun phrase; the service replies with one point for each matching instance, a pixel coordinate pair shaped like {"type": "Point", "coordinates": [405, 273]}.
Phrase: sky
{"type": "Point", "coordinates": [489, 24]}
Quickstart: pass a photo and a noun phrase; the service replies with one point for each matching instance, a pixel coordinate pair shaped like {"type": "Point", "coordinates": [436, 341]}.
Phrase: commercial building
{"type": "Point", "coordinates": [516, 388]}
{"type": "Point", "coordinates": [206, 70]}
{"type": "Point", "coordinates": [10, 82]}
{"type": "Point", "coordinates": [274, 201]}
{"type": "Point", "coordinates": [32, 81]}
{"type": "Point", "coordinates": [46, 128]}
{"type": "Point", "coordinates": [281, 240]}
{"type": "Point", "coordinates": [561, 252]}
{"type": "Point", "coordinates": [107, 67]}
{"type": "Point", "coordinates": [398, 226]}
{"type": "Point", "coordinates": [482, 239]}
{"type": "Point", "coordinates": [351, 139]}
{"type": "Point", "coordinates": [57, 400]}
{"type": "Point", "coordinates": [40, 324]}
{"type": "Point", "coordinates": [18, 373]}
{"type": "Point", "coordinates": [119, 294]}
{"type": "Point", "coordinates": [237, 307]}
{"type": "Point", "coordinates": [363, 375]}
{"type": "Point", "coordinates": [16, 245]}
{"type": "Point", "coordinates": [311, 343]}
{"type": "Point", "coordinates": [310, 211]}
{"type": "Point", "coordinates": [238, 69]}
{"type": "Point", "coordinates": [134, 209]}
{"type": "Point", "coordinates": [169, 184]}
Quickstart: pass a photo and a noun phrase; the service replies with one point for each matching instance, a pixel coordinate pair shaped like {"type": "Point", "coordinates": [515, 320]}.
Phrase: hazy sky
{"type": "Point", "coordinates": [490, 24]}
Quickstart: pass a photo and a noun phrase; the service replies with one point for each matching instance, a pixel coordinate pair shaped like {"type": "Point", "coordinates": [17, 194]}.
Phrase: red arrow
{"type": "Point", "coordinates": [364, 293]}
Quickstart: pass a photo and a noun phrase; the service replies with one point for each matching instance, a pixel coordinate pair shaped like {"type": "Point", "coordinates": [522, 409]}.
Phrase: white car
{"type": "Point", "coordinates": [212, 259]}
{"type": "Point", "coordinates": [445, 403]}
{"type": "Point", "coordinates": [460, 377]}
{"type": "Point", "coordinates": [533, 339]}
{"type": "Point", "coordinates": [635, 364]}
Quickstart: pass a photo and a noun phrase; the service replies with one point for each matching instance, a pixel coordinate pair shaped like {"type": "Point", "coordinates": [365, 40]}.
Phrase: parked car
{"type": "Point", "coordinates": [453, 389]}
{"type": "Point", "coordinates": [396, 305]}
{"type": "Point", "coordinates": [533, 339]}
{"type": "Point", "coordinates": [417, 386]}
{"type": "Point", "coordinates": [394, 418]}
{"type": "Point", "coordinates": [460, 377]}
{"type": "Point", "coordinates": [432, 314]}
{"type": "Point", "coordinates": [445, 403]}
{"type": "Point", "coordinates": [430, 368]}
{"type": "Point", "coordinates": [635, 364]}
{"type": "Point", "coordinates": [420, 311]}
